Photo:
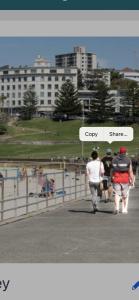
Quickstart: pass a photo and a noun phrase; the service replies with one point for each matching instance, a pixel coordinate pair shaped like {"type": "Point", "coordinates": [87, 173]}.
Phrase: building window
{"type": "Point", "coordinates": [13, 95]}
{"type": "Point", "coordinates": [16, 71]}
{"type": "Point", "coordinates": [56, 78]}
{"type": "Point", "coordinates": [41, 102]}
{"type": "Point", "coordinates": [8, 87]}
{"type": "Point", "coordinates": [19, 102]}
{"type": "Point", "coordinates": [49, 86]}
{"type": "Point", "coordinates": [25, 86]}
{"type": "Point", "coordinates": [7, 95]}
{"type": "Point", "coordinates": [8, 79]}
{"type": "Point", "coordinates": [25, 78]}
{"type": "Point", "coordinates": [56, 86]}
{"type": "Point", "coordinates": [5, 72]}
{"type": "Point", "coordinates": [13, 102]}
{"type": "Point", "coordinates": [13, 79]}
{"type": "Point", "coordinates": [2, 79]}
{"type": "Point", "coordinates": [63, 78]}
{"type": "Point", "coordinates": [42, 86]}
{"type": "Point", "coordinates": [49, 94]}
{"type": "Point", "coordinates": [13, 87]}
{"type": "Point", "coordinates": [53, 71]}
{"type": "Point", "coordinates": [49, 78]}
{"type": "Point", "coordinates": [19, 78]}
{"type": "Point", "coordinates": [33, 71]}
{"type": "Point", "coordinates": [19, 86]}
{"type": "Point", "coordinates": [49, 101]}
{"type": "Point", "coordinates": [2, 87]}
{"type": "Point", "coordinates": [33, 78]}
{"type": "Point", "coordinates": [41, 94]}
{"type": "Point", "coordinates": [19, 95]}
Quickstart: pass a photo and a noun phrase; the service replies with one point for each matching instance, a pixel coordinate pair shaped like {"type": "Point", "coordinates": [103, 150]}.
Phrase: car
{"type": "Point", "coordinates": [59, 117]}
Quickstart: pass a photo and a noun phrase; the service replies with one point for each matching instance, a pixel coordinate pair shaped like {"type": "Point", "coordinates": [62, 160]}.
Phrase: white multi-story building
{"type": "Point", "coordinates": [101, 75]}
{"type": "Point", "coordinates": [45, 80]}
{"type": "Point", "coordinates": [87, 97]}
{"type": "Point", "coordinates": [78, 58]}
{"type": "Point", "coordinates": [131, 75]}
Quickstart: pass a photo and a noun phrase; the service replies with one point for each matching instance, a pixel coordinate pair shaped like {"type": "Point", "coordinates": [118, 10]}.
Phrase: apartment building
{"type": "Point", "coordinates": [46, 81]}
{"type": "Point", "coordinates": [131, 75]}
{"type": "Point", "coordinates": [78, 58]}
{"type": "Point", "coordinates": [87, 97]}
{"type": "Point", "coordinates": [95, 76]}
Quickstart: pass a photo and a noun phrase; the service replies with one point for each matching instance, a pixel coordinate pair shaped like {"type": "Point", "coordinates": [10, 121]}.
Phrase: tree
{"type": "Point", "coordinates": [119, 82]}
{"type": "Point", "coordinates": [131, 100]}
{"type": "Point", "coordinates": [30, 102]}
{"type": "Point", "coordinates": [115, 75]}
{"type": "Point", "coordinates": [67, 101]}
{"type": "Point", "coordinates": [80, 83]}
{"type": "Point", "coordinates": [3, 129]}
{"type": "Point", "coordinates": [2, 98]}
{"type": "Point", "coordinates": [102, 104]}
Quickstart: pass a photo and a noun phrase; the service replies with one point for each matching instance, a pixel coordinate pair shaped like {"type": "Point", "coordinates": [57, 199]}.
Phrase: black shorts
{"type": "Point", "coordinates": [106, 183]}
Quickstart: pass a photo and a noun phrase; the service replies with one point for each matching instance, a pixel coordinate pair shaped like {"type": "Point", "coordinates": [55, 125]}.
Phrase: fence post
{"type": "Point", "coordinates": [63, 184]}
{"type": "Point", "coordinates": [46, 198]}
{"type": "Point", "coordinates": [17, 182]}
{"type": "Point", "coordinates": [15, 198]}
{"type": "Point", "coordinates": [2, 198]}
{"type": "Point", "coordinates": [27, 195]}
{"type": "Point", "coordinates": [75, 185]}
{"type": "Point", "coordinates": [85, 182]}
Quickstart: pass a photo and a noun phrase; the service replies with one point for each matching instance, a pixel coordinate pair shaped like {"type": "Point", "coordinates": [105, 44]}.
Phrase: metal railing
{"type": "Point", "coordinates": [22, 195]}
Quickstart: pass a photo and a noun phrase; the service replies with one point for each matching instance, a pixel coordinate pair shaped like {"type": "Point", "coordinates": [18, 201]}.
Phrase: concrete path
{"type": "Point", "coordinates": [72, 234]}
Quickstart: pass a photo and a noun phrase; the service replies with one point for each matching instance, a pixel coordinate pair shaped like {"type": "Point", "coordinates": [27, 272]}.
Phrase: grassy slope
{"type": "Point", "coordinates": [43, 129]}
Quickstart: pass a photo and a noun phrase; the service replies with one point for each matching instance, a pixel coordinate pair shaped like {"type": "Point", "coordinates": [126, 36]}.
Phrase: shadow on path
{"type": "Point", "coordinates": [80, 211]}
{"type": "Point", "coordinates": [90, 212]}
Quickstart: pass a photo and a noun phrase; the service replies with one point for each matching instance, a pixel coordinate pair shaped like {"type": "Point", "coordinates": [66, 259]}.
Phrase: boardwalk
{"type": "Point", "coordinates": [71, 233]}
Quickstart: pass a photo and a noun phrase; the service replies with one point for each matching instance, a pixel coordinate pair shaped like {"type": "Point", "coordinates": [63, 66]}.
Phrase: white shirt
{"type": "Point", "coordinates": [95, 170]}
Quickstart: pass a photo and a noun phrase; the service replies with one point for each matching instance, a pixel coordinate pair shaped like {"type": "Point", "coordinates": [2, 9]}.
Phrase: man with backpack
{"type": "Point", "coordinates": [122, 178]}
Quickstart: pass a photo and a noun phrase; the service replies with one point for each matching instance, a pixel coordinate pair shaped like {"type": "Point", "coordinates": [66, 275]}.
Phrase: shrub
{"type": "Point", "coordinates": [3, 129]}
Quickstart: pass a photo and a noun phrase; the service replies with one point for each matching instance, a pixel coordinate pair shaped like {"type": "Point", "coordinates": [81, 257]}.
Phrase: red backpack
{"type": "Point", "coordinates": [120, 169]}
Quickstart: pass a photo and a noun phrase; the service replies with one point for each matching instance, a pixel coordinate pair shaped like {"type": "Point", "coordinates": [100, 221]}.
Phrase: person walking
{"type": "Point", "coordinates": [122, 178]}
{"type": "Point", "coordinates": [134, 168]}
{"type": "Point", "coordinates": [107, 161]}
{"type": "Point", "coordinates": [95, 172]}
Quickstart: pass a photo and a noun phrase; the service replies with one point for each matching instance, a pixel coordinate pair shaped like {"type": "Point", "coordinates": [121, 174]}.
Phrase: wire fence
{"type": "Point", "coordinates": [24, 194]}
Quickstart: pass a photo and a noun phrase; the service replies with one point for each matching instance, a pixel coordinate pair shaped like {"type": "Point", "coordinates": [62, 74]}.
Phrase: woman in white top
{"type": "Point", "coordinates": [95, 172]}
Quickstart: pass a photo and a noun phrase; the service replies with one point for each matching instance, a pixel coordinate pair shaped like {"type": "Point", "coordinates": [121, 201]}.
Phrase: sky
{"type": "Point", "coordinates": [112, 52]}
